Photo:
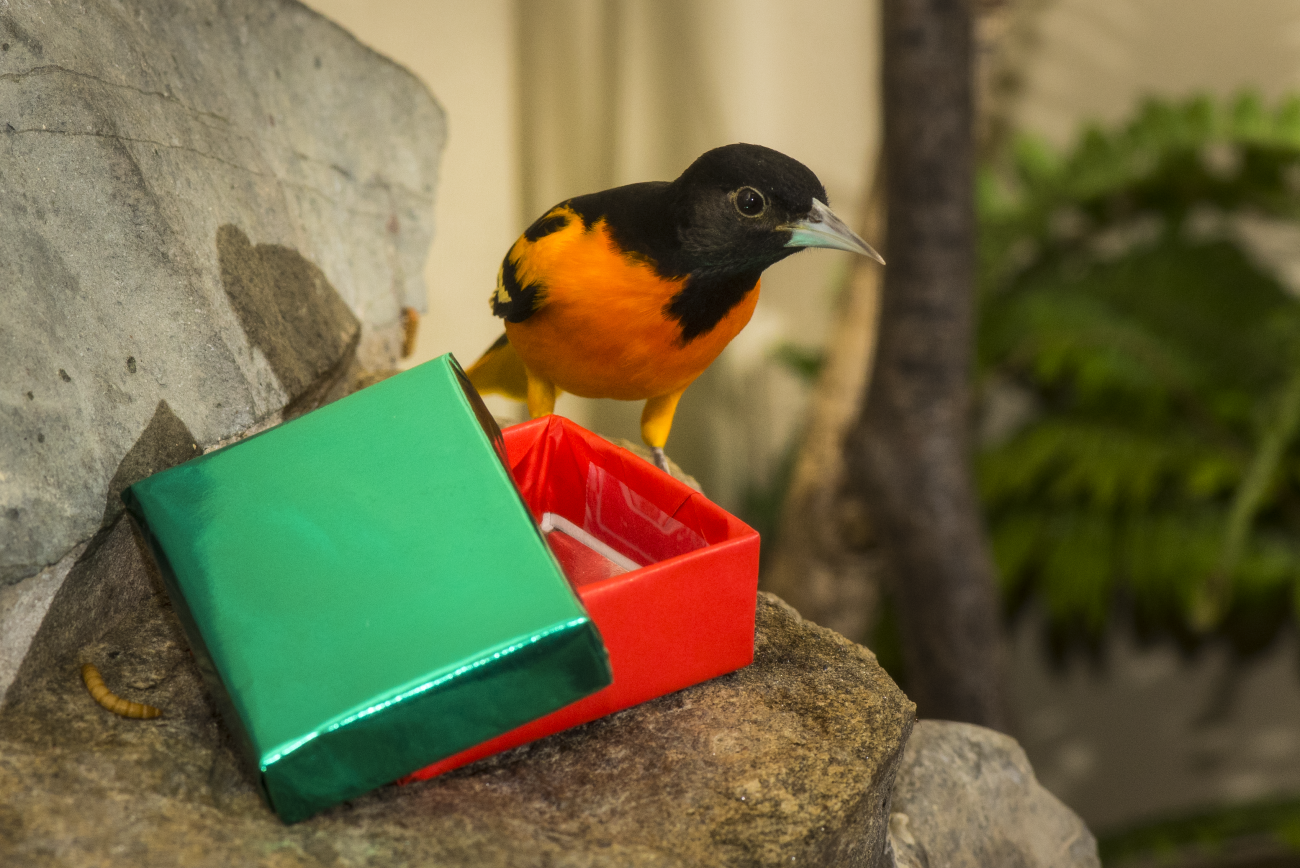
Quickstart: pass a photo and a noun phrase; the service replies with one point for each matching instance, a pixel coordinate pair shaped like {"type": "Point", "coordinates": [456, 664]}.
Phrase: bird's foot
{"type": "Point", "coordinates": [661, 460]}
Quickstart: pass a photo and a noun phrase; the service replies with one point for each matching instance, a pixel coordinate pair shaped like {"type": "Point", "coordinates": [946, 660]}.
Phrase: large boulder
{"type": "Point", "coordinates": [204, 206]}
{"type": "Point", "coordinates": [789, 761]}
{"type": "Point", "coordinates": [211, 215]}
{"type": "Point", "coordinates": [966, 797]}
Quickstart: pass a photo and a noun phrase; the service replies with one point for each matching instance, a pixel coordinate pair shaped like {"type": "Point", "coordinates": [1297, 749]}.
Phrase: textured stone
{"type": "Point", "coordinates": [22, 608]}
{"type": "Point", "coordinates": [967, 796]}
{"type": "Point", "coordinates": [789, 761]}
{"type": "Point", "coordinates": [207, 210]}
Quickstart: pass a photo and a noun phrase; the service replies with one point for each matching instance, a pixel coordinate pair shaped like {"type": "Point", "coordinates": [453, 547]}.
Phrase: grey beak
{"type": "Point", "coordinates": [821, 228]}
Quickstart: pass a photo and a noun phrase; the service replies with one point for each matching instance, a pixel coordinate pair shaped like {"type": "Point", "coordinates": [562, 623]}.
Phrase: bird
{"type": "Point", "coordinates": [630, 293]}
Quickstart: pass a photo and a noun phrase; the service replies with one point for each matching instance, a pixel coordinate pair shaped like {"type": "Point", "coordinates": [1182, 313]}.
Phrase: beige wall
{"type": "Point", "coordinates": [464, 52]}
{"type": "Point", "coordinates": [1096, 59]}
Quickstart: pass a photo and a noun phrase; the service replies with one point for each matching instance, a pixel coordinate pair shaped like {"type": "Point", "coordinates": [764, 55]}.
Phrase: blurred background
{"type": "Point", "coordinates": [1138, 379]}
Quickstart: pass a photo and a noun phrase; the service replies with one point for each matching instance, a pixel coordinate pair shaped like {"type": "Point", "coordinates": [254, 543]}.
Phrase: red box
{"type": "Point", "coordinates": [686, 617]}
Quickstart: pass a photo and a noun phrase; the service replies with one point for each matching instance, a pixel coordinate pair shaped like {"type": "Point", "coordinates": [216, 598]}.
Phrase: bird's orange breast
{"type": "Point", "coordinates": [601, 330]}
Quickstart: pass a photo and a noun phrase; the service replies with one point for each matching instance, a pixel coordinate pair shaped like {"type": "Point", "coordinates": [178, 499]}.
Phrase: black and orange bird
{"type": "Point", "coordinates": [632, 292]}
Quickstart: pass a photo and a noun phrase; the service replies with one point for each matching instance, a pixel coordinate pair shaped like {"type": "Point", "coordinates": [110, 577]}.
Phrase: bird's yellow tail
{"type": "Point", "coordinates": [499, 371]}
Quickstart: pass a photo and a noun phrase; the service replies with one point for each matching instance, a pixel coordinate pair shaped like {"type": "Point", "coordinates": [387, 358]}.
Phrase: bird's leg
{"type": "Point", "coordinates": [541, 395]}
{"type": "Point", "coordinates": [656, 422]}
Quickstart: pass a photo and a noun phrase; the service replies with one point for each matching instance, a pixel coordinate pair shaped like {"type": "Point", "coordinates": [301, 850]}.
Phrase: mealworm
{"type": "Point", "coordinates": [410, 328]}
{"type": "Point", "coordinates": [114, 703]}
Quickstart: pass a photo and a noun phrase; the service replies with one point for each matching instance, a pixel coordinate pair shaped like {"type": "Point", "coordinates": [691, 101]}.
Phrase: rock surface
{"type": "Point", "coordinates": [967, 796]}
{"type": "Point", "coordinates": [207, 210]}
{"type": "Point", "coordinates": [789, 761]}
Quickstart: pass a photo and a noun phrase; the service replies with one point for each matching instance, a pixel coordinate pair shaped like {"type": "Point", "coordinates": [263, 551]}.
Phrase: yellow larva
{"type": "Point", "coordinates": [115, 704]}
{"type": "Point", "coordinates": [410, 329]}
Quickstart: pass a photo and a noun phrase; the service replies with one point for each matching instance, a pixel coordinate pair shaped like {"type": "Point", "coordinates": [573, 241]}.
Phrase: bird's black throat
{"type": "Point", "coordinates": [706, 300]}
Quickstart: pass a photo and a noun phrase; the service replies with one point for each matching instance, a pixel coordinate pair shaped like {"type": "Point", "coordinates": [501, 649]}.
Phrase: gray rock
{"type": "Point", "coordinates": [967, 796]}
{"type": "Point", "coordinates": [789, 761]}
{"type": "Point", "coordinates": [208, 209]}
{"type": "Point", "coordinates": [22, 608]}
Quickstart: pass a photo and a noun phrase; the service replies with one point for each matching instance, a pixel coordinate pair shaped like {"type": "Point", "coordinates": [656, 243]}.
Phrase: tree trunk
{"type": "Point", "coordinates": [910, 451]}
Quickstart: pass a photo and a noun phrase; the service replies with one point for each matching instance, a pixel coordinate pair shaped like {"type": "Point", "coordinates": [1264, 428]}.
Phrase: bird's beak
{"type": "Point", "coordinates": [821, 228]}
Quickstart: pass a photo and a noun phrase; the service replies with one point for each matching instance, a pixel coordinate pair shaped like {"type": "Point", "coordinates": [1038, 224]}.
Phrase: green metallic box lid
{"type": "Point", "coordinates": [366, 591]}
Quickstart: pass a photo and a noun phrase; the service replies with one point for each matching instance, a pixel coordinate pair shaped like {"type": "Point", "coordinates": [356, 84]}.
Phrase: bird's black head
{"type": "Point", "coordinates": [732, 213]}
{"type": "Point", "coordinates": [738, 207]}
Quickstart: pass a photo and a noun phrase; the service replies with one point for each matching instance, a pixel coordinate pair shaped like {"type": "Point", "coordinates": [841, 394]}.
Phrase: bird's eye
{"type": "Point", "coordinates": [750, 202]}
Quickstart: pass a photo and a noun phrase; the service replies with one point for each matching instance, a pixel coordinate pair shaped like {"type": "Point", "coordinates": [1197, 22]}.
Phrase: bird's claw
{"type": "Point", "coordinates": [661, 460]}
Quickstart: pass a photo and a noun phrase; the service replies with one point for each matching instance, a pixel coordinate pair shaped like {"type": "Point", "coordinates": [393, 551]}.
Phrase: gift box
{"type": "Point", "coordinates": [670, 579]}
{"type": "Point", "coordinates": [365, 591]}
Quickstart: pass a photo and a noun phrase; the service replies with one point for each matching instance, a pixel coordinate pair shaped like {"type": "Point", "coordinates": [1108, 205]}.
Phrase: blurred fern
{"type": "Point", "coordinates": [1159, 462]}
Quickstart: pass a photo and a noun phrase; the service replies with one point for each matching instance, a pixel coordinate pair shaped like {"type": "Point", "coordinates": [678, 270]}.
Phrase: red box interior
{"type": "Point", "coordinates": [686, 617]}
